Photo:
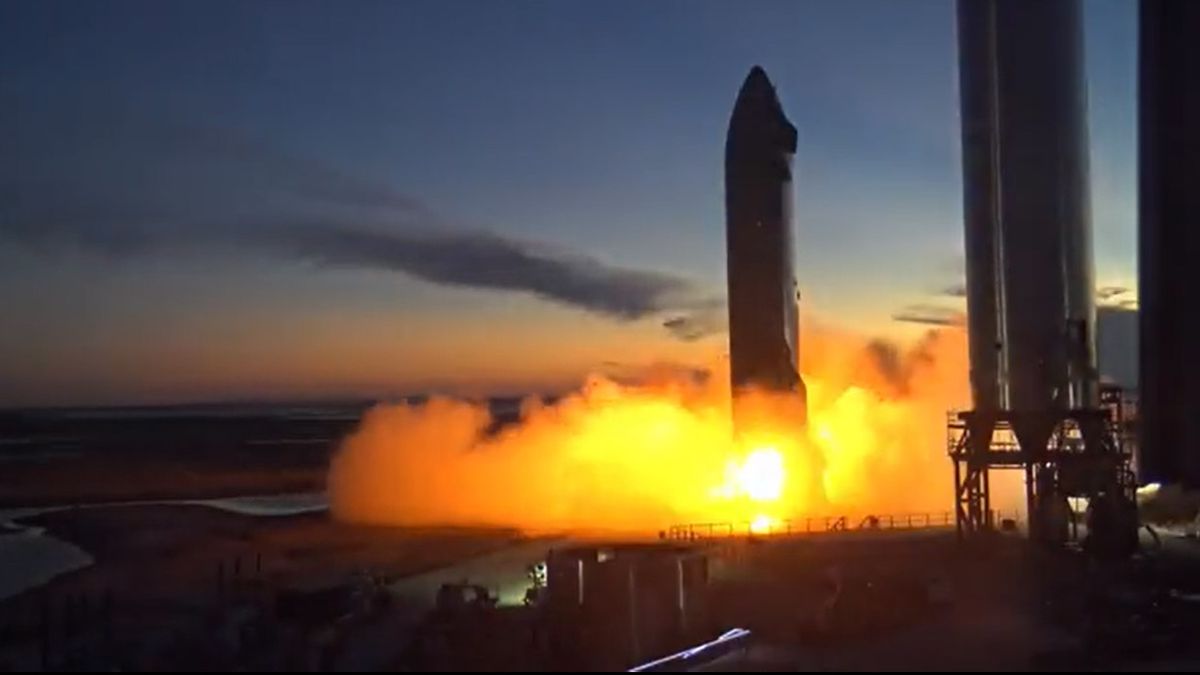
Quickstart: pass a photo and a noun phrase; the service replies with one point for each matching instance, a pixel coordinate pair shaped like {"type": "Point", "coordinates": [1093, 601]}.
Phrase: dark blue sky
{"type": "Point", "coordinates": [161, 157]}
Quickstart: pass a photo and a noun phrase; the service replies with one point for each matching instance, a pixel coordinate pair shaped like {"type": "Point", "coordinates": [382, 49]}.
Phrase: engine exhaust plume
{"type": "Point", "coordinates": [638, 458]}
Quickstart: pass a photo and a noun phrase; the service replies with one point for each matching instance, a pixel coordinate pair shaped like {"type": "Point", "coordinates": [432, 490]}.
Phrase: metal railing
{"type": "Point", "coordinates": [811, 525]}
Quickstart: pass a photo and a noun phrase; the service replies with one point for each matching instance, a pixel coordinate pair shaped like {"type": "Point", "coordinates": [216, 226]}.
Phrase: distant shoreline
{"type": "Point", "coordinates": [97, 455]}
{"type": "Point", "coordinates": [63, 458]}
{"type": "Point", "coordinates": [175, 550]}
{"type": "Point", "coordinates": [115, 497]}
{"type": "Point", "coordinates": [38, 551]}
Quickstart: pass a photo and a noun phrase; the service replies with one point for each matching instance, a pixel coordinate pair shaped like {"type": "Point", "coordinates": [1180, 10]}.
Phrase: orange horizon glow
{"type": "Point", "coordinates": [308, 357]}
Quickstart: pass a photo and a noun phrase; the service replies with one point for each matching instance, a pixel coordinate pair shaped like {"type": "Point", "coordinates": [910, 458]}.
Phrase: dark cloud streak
{"type": "Point", "coordinates": [488, 261]}
{"type": "Point", "coordinates": [462, 259]}
{"type": "Point", "coordinates": [701, 320]}
{"type": "Point", "coordinates": [1110, 292]}
{"type": "Point", "coordinates": [958, 290]}
{"type": "Point", "coordinates": [929, 315]}
{"type": "Point", "coordinates": [216, 192]}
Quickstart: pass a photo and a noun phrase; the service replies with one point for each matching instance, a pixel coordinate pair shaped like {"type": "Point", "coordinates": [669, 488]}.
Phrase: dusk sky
{"type": "Point", "coordinates": [213, 200]}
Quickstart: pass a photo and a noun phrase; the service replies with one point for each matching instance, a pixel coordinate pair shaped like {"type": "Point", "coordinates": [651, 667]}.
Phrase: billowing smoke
{"type": "Point", "coordinates": [642, 457]}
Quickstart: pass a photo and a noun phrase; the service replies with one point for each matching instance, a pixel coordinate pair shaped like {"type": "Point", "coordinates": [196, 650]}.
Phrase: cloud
{"type": "Point", "coordinates": [488, 261]}
{"type": "Point", "coordinates": [929, 315]}
{"type": "Point", "coordinates": [1110, 292]}
{"type": "Point", "coordinates": [1103, 294]}
{"type": "Point", "coordinates": [1116, 297]}
{"type": "Point", "coordinates": [888, 360]}
{"type": "Point", "coordinates": [463, 259]}
{"type": "Point", "coordinates": [704, 318]}
{"type": "Point", "coordinates": [655, 371]}
{"type": "Point", "coordinates": [956, 290]}
{"type": "Point", "coordinates": [900, 366]}
{"type": "Point", "coordinates": [223, 197]}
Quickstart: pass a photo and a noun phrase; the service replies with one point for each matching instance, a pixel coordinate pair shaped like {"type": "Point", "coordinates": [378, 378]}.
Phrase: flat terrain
{"type": "Point", "coordinates": [65, 458]}
{"type": "Point", "coordinates": [156, 550]}
{"type": "Point", "coordinates": [164, 573]}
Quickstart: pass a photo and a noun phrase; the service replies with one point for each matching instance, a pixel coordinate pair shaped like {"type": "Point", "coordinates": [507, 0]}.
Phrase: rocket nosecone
{"type": "Point", "coordinates": [763, 297]}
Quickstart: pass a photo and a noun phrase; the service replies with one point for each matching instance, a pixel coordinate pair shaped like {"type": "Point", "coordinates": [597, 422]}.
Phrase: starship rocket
{"type": "Point", "coordinates": [763, 321]}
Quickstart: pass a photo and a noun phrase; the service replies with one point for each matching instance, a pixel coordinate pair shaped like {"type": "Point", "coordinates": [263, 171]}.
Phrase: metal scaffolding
{"type": "Point", "coordinates": [1065, 454]}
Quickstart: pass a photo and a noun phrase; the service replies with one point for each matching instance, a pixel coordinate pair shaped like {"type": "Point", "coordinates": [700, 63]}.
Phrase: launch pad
{"type": "Point", "coordinates": [1065, 455]}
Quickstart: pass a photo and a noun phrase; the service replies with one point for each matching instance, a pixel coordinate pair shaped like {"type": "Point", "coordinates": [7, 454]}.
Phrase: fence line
{"type": "Point", "coordinates": [819, 525]}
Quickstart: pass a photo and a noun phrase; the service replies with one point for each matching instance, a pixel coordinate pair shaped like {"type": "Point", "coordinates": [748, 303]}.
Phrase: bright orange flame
{"type": "Point", "coordinates": [614, 457]}
{"type": "Point", "coordinates": [761, 475]}
{"type": "Point", "coordinates": [761, 524]}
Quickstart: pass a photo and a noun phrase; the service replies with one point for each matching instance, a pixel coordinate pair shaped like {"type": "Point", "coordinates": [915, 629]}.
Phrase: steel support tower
{"type": "Point", "coordinates": [1065, 455]}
